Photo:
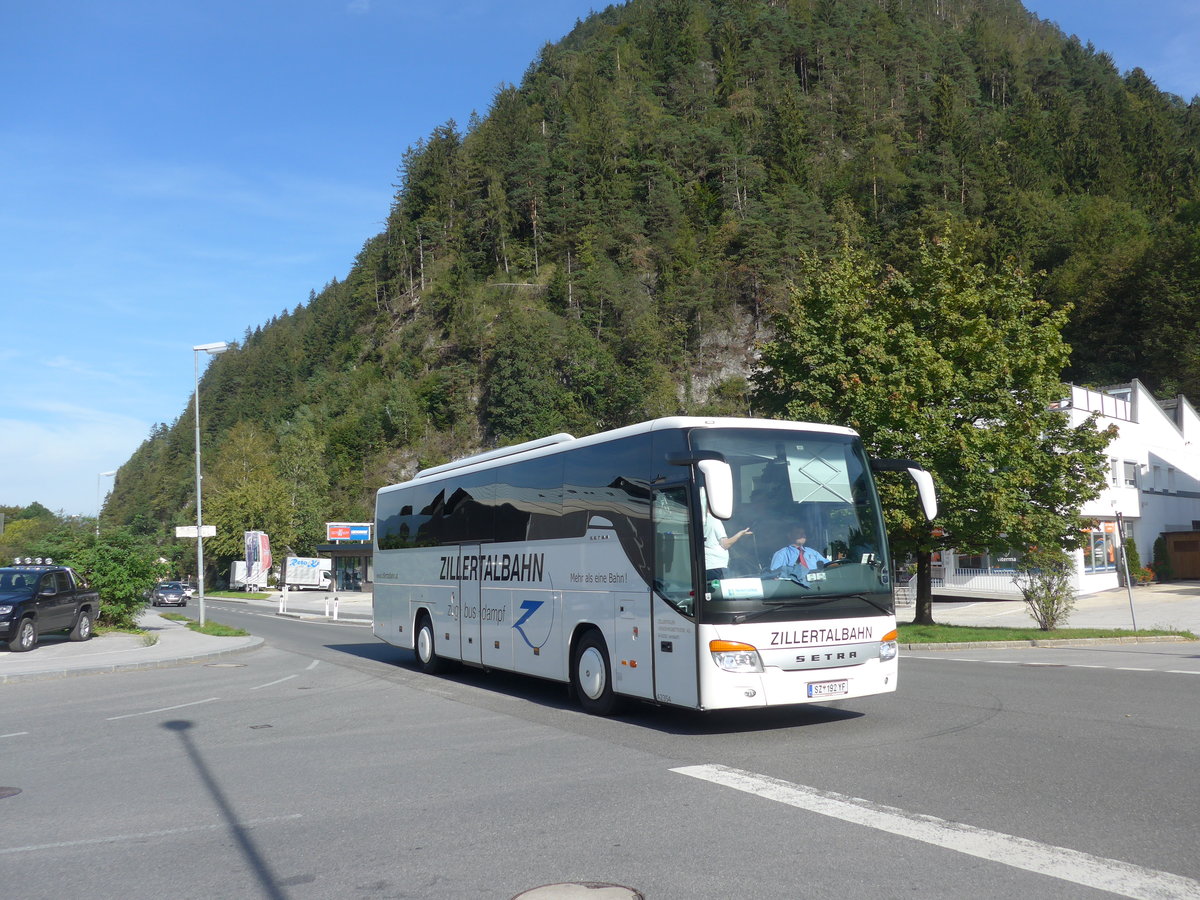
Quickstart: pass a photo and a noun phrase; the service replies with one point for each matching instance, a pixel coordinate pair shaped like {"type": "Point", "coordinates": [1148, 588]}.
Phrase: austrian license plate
{"type": "Point", "coordinates": [827, 688]}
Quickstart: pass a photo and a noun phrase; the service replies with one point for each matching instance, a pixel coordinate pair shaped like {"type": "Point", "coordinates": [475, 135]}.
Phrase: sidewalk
{"type": "Point", "coordinates": [1173, 607]}
{"type": "Point", "coordinates": [352, 607]}
{"type": "Point", "coordinates": [173, 643]}
{"type": "Point", "coordinates": [170, 643]}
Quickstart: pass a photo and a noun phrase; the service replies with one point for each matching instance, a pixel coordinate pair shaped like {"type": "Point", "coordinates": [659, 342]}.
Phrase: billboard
{"type": "Point", "coordinates": [258, 557]}
{"type": "Point", "coordinates": [347, 531]}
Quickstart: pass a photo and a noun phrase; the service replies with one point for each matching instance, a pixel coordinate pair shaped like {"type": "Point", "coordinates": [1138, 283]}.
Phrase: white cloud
{"type": "Point", "coordinates": [57, 464]}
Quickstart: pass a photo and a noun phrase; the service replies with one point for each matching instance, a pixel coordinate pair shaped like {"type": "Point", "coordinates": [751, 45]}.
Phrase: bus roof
{"type": "Point", "coordinates": [557, 443]}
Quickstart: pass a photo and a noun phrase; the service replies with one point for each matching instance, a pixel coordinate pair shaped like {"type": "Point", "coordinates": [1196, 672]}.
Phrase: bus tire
{"type": "Point", "coordinates": [591, 675]}
{"type": "Point", "coordinates": [426, 649]}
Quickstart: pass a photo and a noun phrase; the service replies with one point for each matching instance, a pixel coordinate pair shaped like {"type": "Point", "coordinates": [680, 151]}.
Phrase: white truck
{"type": "Point", "coordinates": [307, 572]}
{"type": "Point", "coordinates": [238, 581]}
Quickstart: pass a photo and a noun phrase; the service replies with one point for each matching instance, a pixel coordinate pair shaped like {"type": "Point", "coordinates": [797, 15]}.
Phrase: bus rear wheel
{"type": "Point", "coordinates": [591, 676]}
{"type": "Point", "coordinates": [427, 656]}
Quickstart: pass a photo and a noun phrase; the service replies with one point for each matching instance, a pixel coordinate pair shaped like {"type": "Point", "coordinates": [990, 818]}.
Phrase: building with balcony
{"type": "Point", "coordinates": [1153, 490]}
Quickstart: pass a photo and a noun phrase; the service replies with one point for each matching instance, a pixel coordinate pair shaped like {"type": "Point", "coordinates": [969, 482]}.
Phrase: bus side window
{"type": "Point", "coordinates": [673, 547]}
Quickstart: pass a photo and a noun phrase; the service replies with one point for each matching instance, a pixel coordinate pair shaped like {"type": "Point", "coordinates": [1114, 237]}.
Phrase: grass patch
{"type": "Point", "coordinates": [210, 627]}
{"type": "Point", "coordinates": [238, 595]}
{"type": "Point", "coordinates": [961, 634]}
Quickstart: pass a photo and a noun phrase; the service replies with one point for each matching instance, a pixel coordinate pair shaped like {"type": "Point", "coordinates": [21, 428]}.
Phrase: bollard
{"type": "Point", "coordinates": [283, 598]}
{"type": "Point", "coordinates": [335, 607]}
{"type": "Point", "coordinates": [327, 606]}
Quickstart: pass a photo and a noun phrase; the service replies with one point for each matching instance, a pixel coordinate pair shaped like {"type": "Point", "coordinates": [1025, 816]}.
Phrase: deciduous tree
{"type": "Point", "coordinates": [953, 365]}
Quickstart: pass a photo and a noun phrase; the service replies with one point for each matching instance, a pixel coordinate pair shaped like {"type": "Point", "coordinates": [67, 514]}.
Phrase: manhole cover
{"type": "Point", "coordinates": [8, 792]}
{"type": "Point", "coordinates": [581, 890]}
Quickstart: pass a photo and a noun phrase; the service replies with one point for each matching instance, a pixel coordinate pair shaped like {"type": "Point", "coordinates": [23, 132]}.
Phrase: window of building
{"type": "Point", "coordinates": [995, 562]}
{"type": "Point", "coordinates": [978, 562]}
{"type": "Point", "coordinates": [1131, 474]}
{"type": "Point", "coordinates": [1100, 552]}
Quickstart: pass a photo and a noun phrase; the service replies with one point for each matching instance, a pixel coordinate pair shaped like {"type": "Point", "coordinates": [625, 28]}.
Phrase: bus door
{"type": "Point", "coordinates": [676, 678]}
{"type": "Point", "coordinates": [469, 597]}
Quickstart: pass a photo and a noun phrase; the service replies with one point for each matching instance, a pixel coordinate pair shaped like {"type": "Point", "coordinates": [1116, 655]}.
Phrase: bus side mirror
{"type": "Point", "coordinates": [926, 492]}
{"type": "Point", "coordinates": [718, 479]}
{"type": "Point", "coordinates": [924, 480]}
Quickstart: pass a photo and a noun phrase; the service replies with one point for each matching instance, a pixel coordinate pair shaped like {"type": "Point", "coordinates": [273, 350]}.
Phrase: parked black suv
{"type": "Point", "coordinates": [39, 597]}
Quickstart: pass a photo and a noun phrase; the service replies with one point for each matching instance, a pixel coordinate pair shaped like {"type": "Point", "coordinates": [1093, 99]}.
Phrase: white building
{"type": "Point", "coordinates": [1153, 485]}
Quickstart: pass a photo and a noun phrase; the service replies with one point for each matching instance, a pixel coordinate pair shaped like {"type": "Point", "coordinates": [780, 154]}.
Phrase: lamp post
{"type": "Point", "coordinates": [98, 504]}
{"type": "Point", "coordinates": [212, 349]}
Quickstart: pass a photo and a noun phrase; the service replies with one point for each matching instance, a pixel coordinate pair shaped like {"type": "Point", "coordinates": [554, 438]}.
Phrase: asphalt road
{"type": "Point", "coordinates": [325, 765]}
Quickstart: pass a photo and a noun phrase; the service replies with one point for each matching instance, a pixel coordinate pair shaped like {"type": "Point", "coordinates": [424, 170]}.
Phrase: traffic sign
{"type": "Point", "coordinates": [186, 531]}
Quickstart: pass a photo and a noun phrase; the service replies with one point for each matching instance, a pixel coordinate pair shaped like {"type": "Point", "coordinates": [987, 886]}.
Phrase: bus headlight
{"type": "Point", "coordinates": [733, 656]}
{"type": "Point", "coordinates": [888, 647]}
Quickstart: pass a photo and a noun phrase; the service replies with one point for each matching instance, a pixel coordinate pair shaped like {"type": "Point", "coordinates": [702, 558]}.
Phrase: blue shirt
{"type": "Point", "coordinates": [790, 556]}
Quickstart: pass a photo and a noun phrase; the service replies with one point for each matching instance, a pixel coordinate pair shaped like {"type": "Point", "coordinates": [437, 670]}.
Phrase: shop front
{"type": "Point", "coordinates": [351, 550]}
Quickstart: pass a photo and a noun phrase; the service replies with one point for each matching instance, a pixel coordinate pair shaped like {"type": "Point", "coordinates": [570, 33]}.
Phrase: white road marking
{"type": "Point", "coordinates": [14, 734]}
{"type": "Point", "coordinates": [1019, 662]}
{"type": "Point", "coordinates": [122, 838]}
{"type": "Point", "coordinates": [312, 665]}
{"type": "Point", "coordinates": [151, 712]}
{"type": "Point", "coordinates": [276, 681]}
{"type": "Point", "coordinates": [1114, 876]}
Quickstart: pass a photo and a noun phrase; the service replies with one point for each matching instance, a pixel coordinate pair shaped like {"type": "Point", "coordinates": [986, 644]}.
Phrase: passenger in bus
{"type": "Point", "coordinates": [716, 547]}
{"type": "Point", "coordinates": [797, 556]}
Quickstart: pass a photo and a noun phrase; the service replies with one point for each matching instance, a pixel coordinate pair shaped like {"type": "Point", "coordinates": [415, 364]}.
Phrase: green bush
{"type": "Point", "coordinates": [1138, 573]}
{"type": "Point", "coordinates": [122, 569]}
{"type": "Point", "coordinates": [1132, 557]}
{"type": "Point", "coordinates": [1162, 561]}
{"type": "Point", "coordinates": [1045, 581]}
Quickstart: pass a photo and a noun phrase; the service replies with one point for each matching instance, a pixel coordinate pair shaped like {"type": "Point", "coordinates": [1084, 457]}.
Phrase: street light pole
{"type": "Point", "coordinates": [98, 504]}
{"type": "Point", "coordinates": [213, 349]}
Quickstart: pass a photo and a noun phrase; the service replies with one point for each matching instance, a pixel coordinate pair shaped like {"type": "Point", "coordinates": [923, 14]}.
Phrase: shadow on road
{"type": "Point", "coordinates": [241, 835]}
{"type": "Point", "coordinates": [555, 695]}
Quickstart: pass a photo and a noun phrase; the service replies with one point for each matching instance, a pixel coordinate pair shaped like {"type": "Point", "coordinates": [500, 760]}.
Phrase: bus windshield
{"type": "Point", "coordinates": [806, 531]}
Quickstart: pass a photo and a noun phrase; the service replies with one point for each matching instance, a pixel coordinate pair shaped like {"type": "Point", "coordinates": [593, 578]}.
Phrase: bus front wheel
{"type": "Point", "coordinates": [427, 656]}
{"type": "Point", "coordinates": [591, 676]}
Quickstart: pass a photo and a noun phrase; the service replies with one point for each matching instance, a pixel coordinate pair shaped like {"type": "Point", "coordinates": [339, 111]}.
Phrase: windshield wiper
{"type": "Point", "coordinates": [879, 606]}
{"type": "Point", "coordinates": [773, 605]}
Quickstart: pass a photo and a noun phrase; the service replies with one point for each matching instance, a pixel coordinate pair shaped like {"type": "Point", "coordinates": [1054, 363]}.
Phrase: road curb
{"type": "Point", "coordinates": [1048, 642]}
{"type": "Point", "coordinates": [248, 644]}
{"type": "Point", "coordinates": [329, 620]}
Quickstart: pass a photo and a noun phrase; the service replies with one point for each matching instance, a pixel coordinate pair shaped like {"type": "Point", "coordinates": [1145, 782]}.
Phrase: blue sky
{"type": "Point", "coordinates": [173, 172]}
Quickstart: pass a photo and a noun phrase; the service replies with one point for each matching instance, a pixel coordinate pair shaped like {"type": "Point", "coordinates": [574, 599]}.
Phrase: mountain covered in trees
{"type": "Point", "coordinates": [614, 239]}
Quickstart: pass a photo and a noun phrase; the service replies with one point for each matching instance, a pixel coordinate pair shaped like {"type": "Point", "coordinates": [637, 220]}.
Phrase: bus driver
{"type": "Point", "coordinates": [797, 554]}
